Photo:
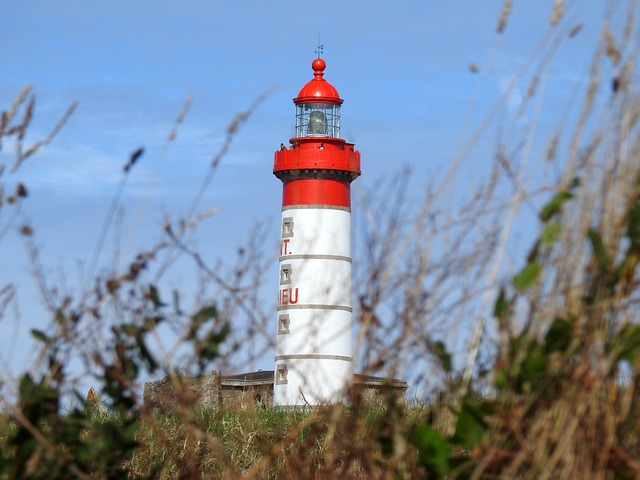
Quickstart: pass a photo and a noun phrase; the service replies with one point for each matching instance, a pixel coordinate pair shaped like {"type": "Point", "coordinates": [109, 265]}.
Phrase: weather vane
{"type": "Point", "coordinates": [319, 47]}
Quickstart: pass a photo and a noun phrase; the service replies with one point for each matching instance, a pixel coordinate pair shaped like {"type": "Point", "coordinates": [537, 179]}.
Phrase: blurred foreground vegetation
{"type": "Point", "coordinates": [550, 387]}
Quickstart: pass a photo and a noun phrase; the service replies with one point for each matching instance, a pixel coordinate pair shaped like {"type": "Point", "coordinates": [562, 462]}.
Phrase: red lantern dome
{"type": "Point", "coordinates": [318, 90]}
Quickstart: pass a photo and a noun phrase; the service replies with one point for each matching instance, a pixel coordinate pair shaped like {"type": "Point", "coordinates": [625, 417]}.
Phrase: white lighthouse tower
{"type": "Point", "coordinates": [314, 360]}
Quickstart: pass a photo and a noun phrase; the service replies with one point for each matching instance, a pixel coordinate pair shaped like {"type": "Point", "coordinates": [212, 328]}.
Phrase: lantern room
{"type": "Point", "coordinates": [318, 120]}
{"type": "Point", "coordinates": [318, 106]}
{"type": "Point", "coordinates": [317, 146]}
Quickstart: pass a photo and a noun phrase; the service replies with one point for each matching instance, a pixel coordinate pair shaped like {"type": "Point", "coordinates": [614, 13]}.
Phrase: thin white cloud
{"type": "Point", "coordinates": [71, 169]}
{"type": "Point", "coordinates": [510, 88]}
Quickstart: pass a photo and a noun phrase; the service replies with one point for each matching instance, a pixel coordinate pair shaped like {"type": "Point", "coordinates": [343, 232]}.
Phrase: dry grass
{"type": "Point", "coordinates": [279, 444]}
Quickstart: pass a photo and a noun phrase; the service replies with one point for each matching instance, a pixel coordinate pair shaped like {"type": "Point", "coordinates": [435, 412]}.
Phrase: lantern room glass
{"type": "Point", "coordinates": [318, 120]}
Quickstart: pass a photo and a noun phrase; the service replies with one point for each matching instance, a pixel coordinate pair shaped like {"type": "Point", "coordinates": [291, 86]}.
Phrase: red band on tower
{"type": "Point", "coordinates": [315, 191]}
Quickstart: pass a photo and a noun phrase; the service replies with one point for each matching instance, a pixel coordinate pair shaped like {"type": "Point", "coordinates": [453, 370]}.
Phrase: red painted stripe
{"type": "Point", "coordinates": [314, 191]}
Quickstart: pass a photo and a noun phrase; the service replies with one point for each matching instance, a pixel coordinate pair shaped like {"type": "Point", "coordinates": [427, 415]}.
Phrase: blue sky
{"type": "Point", "coordinates": [402, 68]}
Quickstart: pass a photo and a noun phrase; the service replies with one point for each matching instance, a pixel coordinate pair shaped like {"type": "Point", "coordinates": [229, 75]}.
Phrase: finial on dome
{"type": "Point", "coordinates": [318, 66]}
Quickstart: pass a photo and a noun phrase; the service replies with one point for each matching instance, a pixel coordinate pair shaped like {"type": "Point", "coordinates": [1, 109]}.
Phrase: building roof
{"type": "Point", "coordinates": [264, 377]}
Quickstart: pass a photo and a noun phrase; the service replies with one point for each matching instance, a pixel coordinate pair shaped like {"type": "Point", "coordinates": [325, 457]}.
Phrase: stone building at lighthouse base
{"type": "Point", "coordinates": [248, 389]}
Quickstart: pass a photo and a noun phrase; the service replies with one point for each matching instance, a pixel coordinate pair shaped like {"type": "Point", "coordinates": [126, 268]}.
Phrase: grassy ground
{"type": "Point", "coordinates": [328, 442]}
{"type": "Point", "coordinates": [331, 442]}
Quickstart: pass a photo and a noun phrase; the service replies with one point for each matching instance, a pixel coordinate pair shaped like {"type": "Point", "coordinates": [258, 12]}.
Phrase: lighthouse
{"type": "Point", "coordinates": [314, 358]}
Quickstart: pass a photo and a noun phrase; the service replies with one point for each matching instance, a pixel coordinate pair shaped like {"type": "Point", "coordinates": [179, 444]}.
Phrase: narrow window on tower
{"type": "Point", "coordinates": [281, 375]}
{"type": "Point", "coordinates": [285, 274]}
{"type": "Point", "coordinates": [287, 227]}
{"type": "Point", "coordinates": [283, 324]}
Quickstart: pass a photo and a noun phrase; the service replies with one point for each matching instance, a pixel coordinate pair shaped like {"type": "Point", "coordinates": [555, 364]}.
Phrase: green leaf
{"type": "Point", "coordinates": [26, 386]}
{"type": "Point", "coordinates": [599, 250]}
{"type": "Point", "coordinates": [558, 337]}
{"type": "Point", "coordinates": [550, 234]}
{"type": "Point", "coordinates": [440, 351]}
{"type": "Point", "coordinates": [203, 315]}
{"type": "Point", "coordinates": [130, 329]}
{"type": "Point", "coordinates": [470, 427]}
{"type": "Point", "coordinates": [60, 317]}
{"type": "Point", "coordinates": [501, 380]}
{"type": "Point", "coordinates": [154, 296]}
{"type": "Point", "coordinates": [575, 183]}
{"type": "Point", "coordinates": [39, 335]}
{"type": "Point", "coordinates": [627, 342]}
{"type": "Point", "coordinates": [502, 307]}
{"type": "Point", "coordinates": [433, 450]}
{"type": "Point", "coordinates": [528, 276]}
{"type": "Point", "coordinates": [176, 303]}
{"type": "Point", "coordinates": [146, 355]}
{"type": "Point", "coordinates": [633, 223]}
{"type": "Point", "coordinates": [533, 368]}
{"type": "Point", "coordinates": [210, 348]}
{"type": "Point", "coordinates": [555, 204]}
{"type": "Point", "coordinates": [151, 322]}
